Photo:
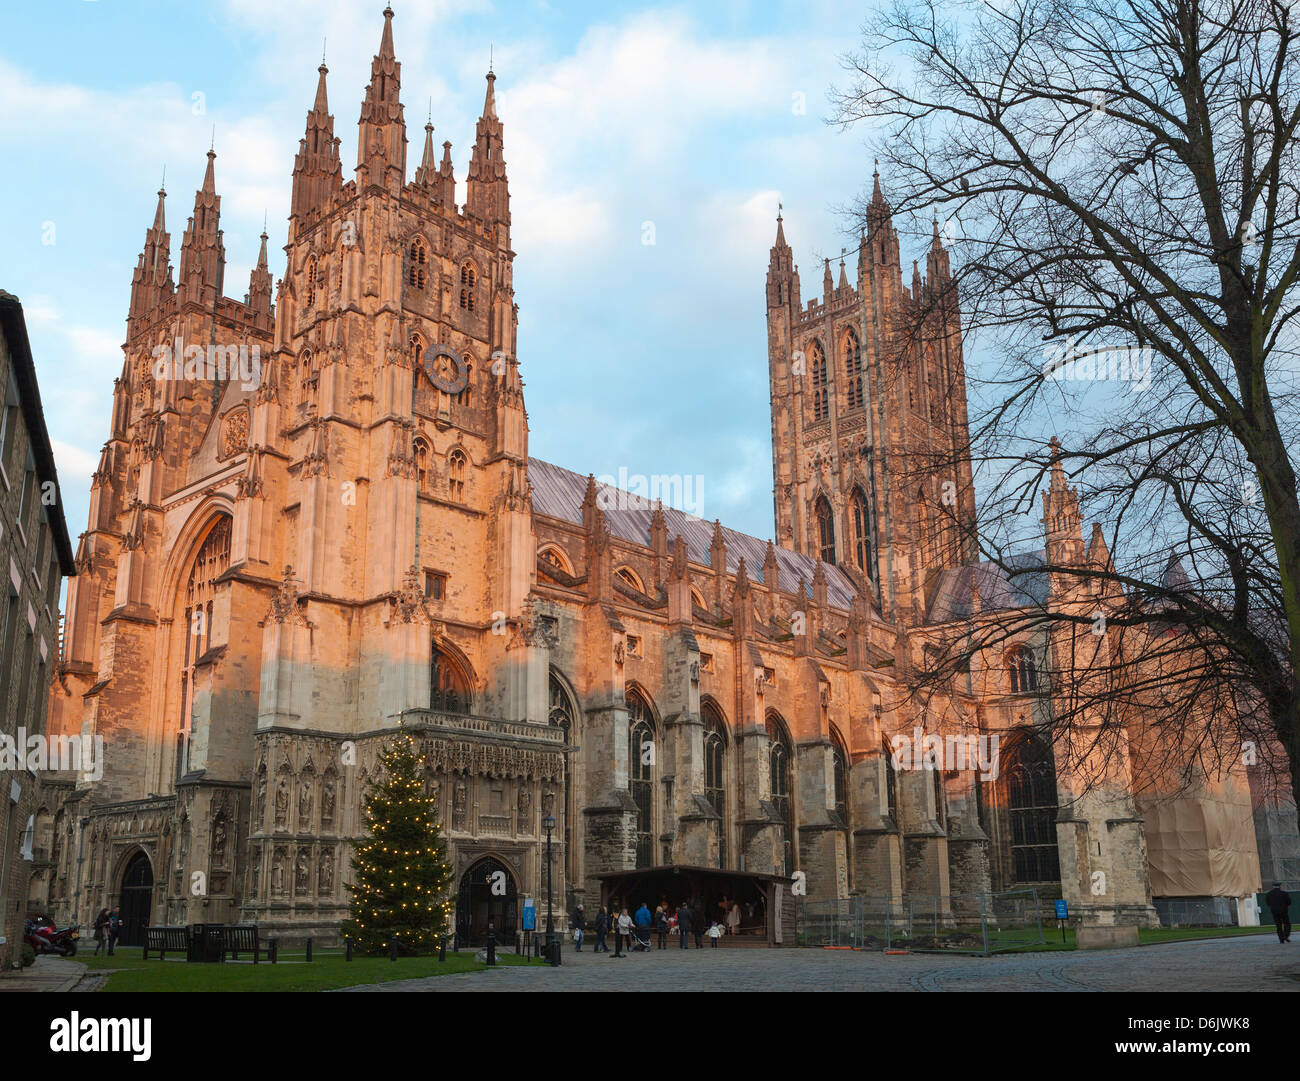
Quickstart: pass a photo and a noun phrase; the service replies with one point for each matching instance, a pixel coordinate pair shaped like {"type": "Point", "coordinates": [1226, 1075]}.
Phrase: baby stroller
{"type": "Point", "coordinates": [640, 940]}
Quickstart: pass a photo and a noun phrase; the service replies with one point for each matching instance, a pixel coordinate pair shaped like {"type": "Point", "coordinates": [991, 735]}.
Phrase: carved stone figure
{"type": "Point", "coordinates": [261, 800]}
{"type": "Point", "coordinates": [302, 872]}
{"type": "Point", "coordinates": [277, 871]}
{"type": "Point", "coordinates": [325, 876]}
{"type": "Point", "coordinates": [304, 804]}
{"type": "Point", "coordinates": [219, 842]}
{"type": "Point", "coordinates": [327, 802]}
{"type": "Point", "coordinates": [282, 804]}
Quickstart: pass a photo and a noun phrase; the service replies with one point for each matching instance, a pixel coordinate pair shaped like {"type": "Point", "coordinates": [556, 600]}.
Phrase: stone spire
{"type": "Point", "coordinates": [880, 234]}
{"type": "Point", "coordinates": [317, 174]}
{"type": "Point", "coordinates": [259, 281]}
{"type": "Point", "coordinates": [381, 142]}
{"type": "Point", "coordinates": [488, 194]}
{"type": "Point", "coordinates": [447, 176]}
{"type": "Point", "coordinates": [782, 278]}
{"type": "Point", "coordinates": [203, 253]}
{"type": "Point", "coordinates": [1062, 521]}
{"type": "Point", "coordinates": [152, 280]}
{"type": "Point", "coordinates": [937, 269]}
{"type": "Point", "coordinates": [426, 176]}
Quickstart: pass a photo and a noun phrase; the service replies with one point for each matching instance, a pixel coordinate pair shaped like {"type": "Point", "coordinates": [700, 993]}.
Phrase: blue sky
{"type": "Point", "coordinates": [699, 119]}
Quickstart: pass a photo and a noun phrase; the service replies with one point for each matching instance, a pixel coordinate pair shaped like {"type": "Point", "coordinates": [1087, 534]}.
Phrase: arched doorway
{"type": "Point", "coordinates": [487, 895]}
{"type": "Point", "coordinates": [136, 901]}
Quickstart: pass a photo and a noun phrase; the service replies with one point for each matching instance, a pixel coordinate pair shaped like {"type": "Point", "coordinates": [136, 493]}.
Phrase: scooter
{"type": "Point", "coordinates": [44, 937]}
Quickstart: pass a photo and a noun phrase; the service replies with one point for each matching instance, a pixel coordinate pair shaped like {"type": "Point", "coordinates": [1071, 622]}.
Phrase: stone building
{"type": "Point", "coordinates": [279, 570]}
{"type": "Point", "coordinates": [35, 554]}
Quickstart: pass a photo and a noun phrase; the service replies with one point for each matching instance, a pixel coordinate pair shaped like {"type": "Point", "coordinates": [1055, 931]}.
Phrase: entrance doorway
{"type": "Point", "coordinates": [487, 895]}
{"type": "Point", "coordinates": [136, 899]}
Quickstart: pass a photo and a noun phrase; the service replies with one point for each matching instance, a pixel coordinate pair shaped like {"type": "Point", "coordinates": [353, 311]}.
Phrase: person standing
{"type": "Point", "coordinates": [1279, 903]}
{"type": "Point", "coordinates": [579, 928]}
{"type": "Point", "coordinates": [683, 924]}
{"type": "Point", "coordinates": [715, 933]}
{"type": "Point", "coordinates": [644, 920]}
{"type": "Point", "coordinates": [661, 926]}
{"type": "Point", "coordinates": [114, 929]}
{"type": "Point", "coordinates": [733, 919]}
{"type": "Point", "coordinates": [101, 930]}
{"type": "Point", "coordinates": [623, 947]}
{"type": "Point", "coordinates": [602, 929]}
{"type": "Point", "coordinates": [697, 927]}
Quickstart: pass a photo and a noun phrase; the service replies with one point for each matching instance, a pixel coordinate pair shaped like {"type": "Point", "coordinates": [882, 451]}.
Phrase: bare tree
{"type": "Point", "coordinates": [1118, 184]}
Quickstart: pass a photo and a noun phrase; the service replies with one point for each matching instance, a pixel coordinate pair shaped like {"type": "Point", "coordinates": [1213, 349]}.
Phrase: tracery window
{"type": "Point", "coordinates": [211, 561]}
{"type": "Point", "coordinates": [853, 369]}
{"type": "Point", "coordinates": [820, 393]}
{"type": "Point", "coordinates": [449, 690]}
{"type": "Point", "coordinates": [418, 256]}
{"type": "Point", "coordinates": [779, 755]}
{"type": "Point", "coordinates": [715, 762]}
{"type": "Point", "coordinates": [861, 519]}
{"type": "Point", "coordinates": [456, 463]}
{"type": "Point", "coordinates": [1032, 811]}
{"type": "Point", "coordinates": [641, 760]}
{"type": "Point", "coordinates": [1022, 670]}
{"type": "Point", "coordinates": [423, 472]}
{"type": "Point", "coordinates": [467, 278]}
{"type": "Point", "coordinates": [825, 529]}
{"type": "Point", "coordinates": [563, 714]}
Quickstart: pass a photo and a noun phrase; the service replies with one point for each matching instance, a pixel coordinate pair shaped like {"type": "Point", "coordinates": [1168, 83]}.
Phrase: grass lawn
{"type": "Point", "coordinates": [327, 970]}
{"type": "Point", "coordinates": [1146, 937]}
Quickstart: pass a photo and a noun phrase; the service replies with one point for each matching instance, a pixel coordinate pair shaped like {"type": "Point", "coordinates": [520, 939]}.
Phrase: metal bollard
{"type": "Point", "coordinates": [491, 942]}
{"type": "Point", "coordinates": [442, 947]}
{"type": "Point", "coordinates": [309, 949]}
{"type": "Point", "coordinates": [392, 948]}
{"type": "Point", "coordinates": [347, 952]}
{"type": "Point", "coordinates": [274, 951]}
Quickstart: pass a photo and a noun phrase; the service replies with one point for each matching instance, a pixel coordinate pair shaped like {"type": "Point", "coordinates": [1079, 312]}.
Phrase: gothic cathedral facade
{"type": "Point", "coordinates": [284, 567]}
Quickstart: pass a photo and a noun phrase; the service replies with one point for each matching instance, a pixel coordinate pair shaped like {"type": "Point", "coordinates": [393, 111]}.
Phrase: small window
{"type": "Point", "coordinates": [633, 645]}
{"type": "Point", "coordinates": [435, 585]}
{"type": "Point", "coordinates": [456, 463]}
{"type": "Point", "coordinates": [629, 577]}
{"type": "Point", "coordinates": [423, 472]}
{"type": "Point", "coordinates": [706, 662]}
{"type": "Point", "coordinates": [1023, 671]}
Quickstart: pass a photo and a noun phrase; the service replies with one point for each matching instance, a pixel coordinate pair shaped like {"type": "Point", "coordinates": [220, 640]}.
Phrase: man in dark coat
{"type": "Point", "coordinates": [683, 924]}
{"type": "Point", "coordinates": [579, 928]}
{"type": "Point", "coordinates": [1279, 903]}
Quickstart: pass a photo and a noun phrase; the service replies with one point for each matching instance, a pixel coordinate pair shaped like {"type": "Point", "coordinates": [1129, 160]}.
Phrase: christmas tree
{"type": "Point", "coordinates": [401, 872]}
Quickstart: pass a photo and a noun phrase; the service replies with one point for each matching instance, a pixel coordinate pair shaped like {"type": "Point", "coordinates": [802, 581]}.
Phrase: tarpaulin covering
{"type": "Point", "coordinates": [1202, 845]}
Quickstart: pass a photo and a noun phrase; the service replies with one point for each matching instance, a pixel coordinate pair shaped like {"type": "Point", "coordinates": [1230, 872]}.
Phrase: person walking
{"type": "Point", "coordinates": [602, 929]}
{"type": "Point", "coordinates": [683, 924]}
{"type": "Point", "coordinates": [579, 928]}
{"type": "Point", "coordinates": [715, 933]}
{"type": "Point", "coordinates": [114, 929]}
{"type": "Point", "coordinates": [1279, 903]}
{"type": "Point", "coordinates": [644, 921]}
{"type": "Point", "coordinates": [101, 930]}
{"type": "Point", "coordinates": [661, 926]}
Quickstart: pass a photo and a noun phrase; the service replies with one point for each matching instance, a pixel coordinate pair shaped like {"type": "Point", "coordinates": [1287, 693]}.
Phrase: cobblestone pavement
{"type": "Point", "coordinates": [47, 974]}
{"type": "Point", "coordinates": [1257, 963]}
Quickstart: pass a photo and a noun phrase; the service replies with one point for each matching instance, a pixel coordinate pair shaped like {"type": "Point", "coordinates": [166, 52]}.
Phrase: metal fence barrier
{"type": "Point", "coordinates": [979, 923]}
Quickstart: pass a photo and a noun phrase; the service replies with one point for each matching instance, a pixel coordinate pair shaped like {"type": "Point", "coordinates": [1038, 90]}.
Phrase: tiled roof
{"type": "Point", "coordinates": [558, 493]}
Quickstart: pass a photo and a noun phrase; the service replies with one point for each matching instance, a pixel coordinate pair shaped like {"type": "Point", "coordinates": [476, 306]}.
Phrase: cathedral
{"type": "Point", "coordinates": [317, 524]}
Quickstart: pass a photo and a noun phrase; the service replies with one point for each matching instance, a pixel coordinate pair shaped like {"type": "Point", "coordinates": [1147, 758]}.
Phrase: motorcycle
{"type": "Point", "coordinates": [44, 937]}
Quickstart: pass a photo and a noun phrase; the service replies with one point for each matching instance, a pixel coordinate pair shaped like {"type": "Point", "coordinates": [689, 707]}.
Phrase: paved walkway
{"type": "Point", "coordinates": [47, 974]}
{"type": "Point", "coordinates": [1256, 963]}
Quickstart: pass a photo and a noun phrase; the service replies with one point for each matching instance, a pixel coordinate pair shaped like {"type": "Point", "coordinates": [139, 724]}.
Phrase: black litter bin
{"type": "Point", "coordinates": [208, 942]}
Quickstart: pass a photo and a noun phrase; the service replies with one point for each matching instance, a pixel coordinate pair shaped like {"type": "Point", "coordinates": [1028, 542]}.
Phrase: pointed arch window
{"type": "Point", "coordinates": [313, 282]}
{"type": "Point", "coordinates": [307, 376]}
{"type": "Point", "coordinates": [195, 624]}
{"type": "Point", "coordinates": [448, 684]}
{"type": "Point", "coordinates": [415, 349]}
{"type": "Point", "coordinates": [825, 529]}
{"type": "Point", "coordinates": [417, 258]}
{"type": "Point", "coordinates": [780, 770]}
{"type": "Point", "coordinates": [820, 391]}
{"type": "Point", "coordinates": [463, 397]}
{"type": "Point", "coordinates": [853, 370]}
{"type": "Point", "coordinates": [641, 761]}
{"type": "Point", "coordinates": [563, 714]}
{"type": "Point", "coordinates": [423, 470]}
{"type": "Point", "coordinates": [1032, 810]}
{"type": "Point", "coordinates": [891, 782]}
{"type": "Point", "coordinates": [1022, 671]}
{"type": "Point", "coordinates": [715, 772]}
{"type": "Point", "coordinates": [861, 520]}
{"type": "Point", "coordinates": [456, 463]}
{"type": "Point", "coordinates": [467, 279]}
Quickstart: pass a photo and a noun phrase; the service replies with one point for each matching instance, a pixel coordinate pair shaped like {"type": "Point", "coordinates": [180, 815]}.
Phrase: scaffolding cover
{"type": "Point", "coordinates": [1202, 846]}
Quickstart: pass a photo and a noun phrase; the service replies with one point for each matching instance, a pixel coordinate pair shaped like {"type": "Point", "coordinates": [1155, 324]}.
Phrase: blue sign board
{"type": "Point", "coordinates": [1062, 910]}
{"type": "Point", "coordinates": [530, 915]}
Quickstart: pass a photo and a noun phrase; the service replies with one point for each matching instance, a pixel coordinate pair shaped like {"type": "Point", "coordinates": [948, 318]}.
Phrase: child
{"type": "Point", "coordinates": [715, 933]}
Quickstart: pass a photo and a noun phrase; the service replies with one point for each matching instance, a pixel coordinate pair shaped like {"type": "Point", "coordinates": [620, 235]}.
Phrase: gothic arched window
{"type": "Point", "coordinates": [464, 395]}
{"type": "Point", "coordinates": [1023, 671]}
{"type": "Point", "coordinates": [817, 369]}
{"type": "Point", "coordinates": [418, 256]}
{"type": "Point", "coordinates": [456, 463]}
{"type": "Point", "coordinates": [194, 620]}
{"type": "Point", "coordinates": [853, 370]}
{"type": "Point", "coordinates": [415, 348]}
{"type": "Point", "coordinates": [780, 770]}
{"type": "Point", "coordinates": [1031, 802]}
{"type": "Point", "coordinates": [448, 684]}
{"type": "Point", "coordinates": [641, 753]}
{"type": "Point", "coordinates": [314, 283]}
{"type": "Point", "coordinates": [467, 278]}
{"type": "Point", "coordinates": [825, 529]}
{"type": "Point", "coordinates": [861, 520]}
{"type": "Point", "coordinates": [840, 778]}
{"type": "Point", "coordinates": [563, 714]}
{"type": "Point", "coordinates": [715, 764]}
{"type": "Point", "coordinates": [423, 472]}
{"type": "Point", "coordinates": [307, 376]}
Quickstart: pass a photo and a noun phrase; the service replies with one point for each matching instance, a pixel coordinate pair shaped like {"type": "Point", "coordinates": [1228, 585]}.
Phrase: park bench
{"type": "Point", "coordinates": [161, 939]}
{"type": "Point", "coordinates": [243, 938]}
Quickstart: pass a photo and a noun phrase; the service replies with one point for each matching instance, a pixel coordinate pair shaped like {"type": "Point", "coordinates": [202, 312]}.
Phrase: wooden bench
{"type": "Point", "coordinates": [243, 937]}
{"type": "Point", "coordinates": [162, 939]}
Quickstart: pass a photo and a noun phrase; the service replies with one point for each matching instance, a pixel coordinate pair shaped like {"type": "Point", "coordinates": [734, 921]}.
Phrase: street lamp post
{"type": "Point", "coordinates": [549, 824]}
